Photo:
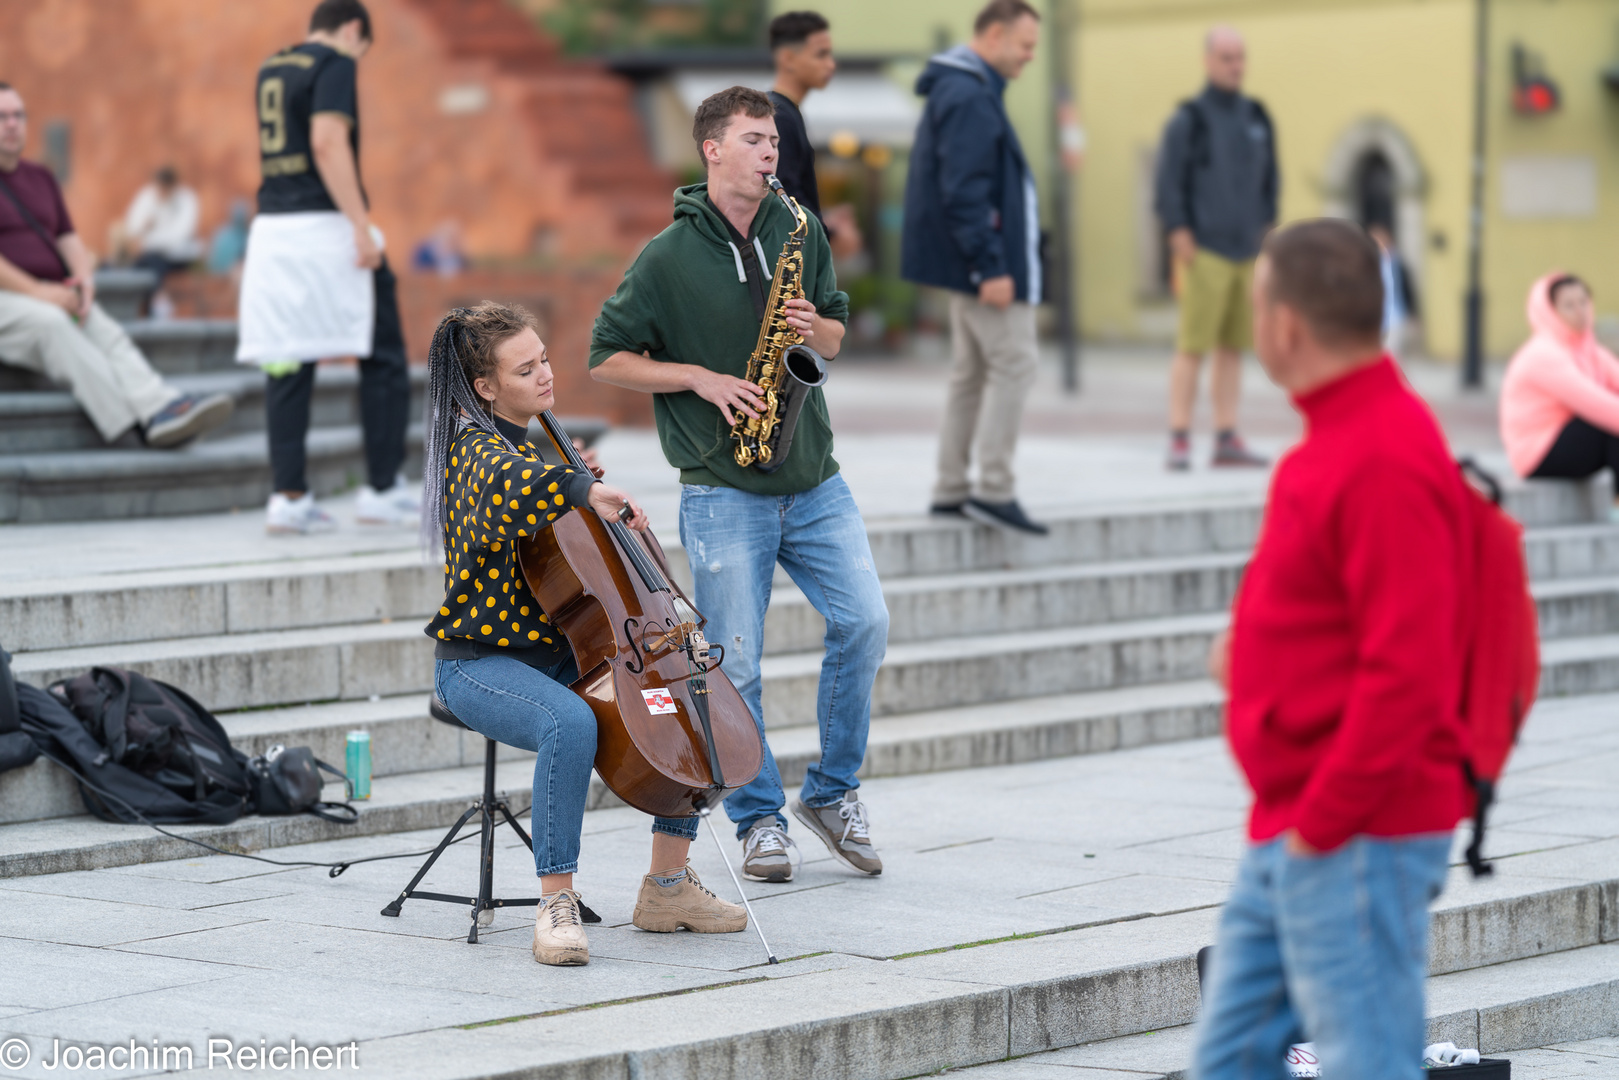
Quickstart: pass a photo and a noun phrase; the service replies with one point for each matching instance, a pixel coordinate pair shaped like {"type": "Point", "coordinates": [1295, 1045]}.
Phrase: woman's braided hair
{"type": "Point", "coordinates": [463, 350]}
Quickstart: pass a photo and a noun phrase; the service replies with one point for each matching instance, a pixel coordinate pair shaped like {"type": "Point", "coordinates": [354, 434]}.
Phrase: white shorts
{"type": "Point", "coordinates": [304, 296]}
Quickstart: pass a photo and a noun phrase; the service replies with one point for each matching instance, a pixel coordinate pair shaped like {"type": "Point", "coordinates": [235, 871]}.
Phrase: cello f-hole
{"type": "Point", "coordinates": [638, 665]}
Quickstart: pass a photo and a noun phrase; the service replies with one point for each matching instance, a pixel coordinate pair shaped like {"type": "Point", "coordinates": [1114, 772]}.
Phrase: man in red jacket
{"type": "Point", "coordinates": [1343, 667]}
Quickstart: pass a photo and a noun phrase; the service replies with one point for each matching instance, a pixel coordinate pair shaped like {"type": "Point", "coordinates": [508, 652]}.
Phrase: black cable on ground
{"type": "Point", "coordinates": [333, 869]}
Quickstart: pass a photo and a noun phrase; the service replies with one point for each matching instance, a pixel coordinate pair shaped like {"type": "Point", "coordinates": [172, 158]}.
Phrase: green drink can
{"type": "Point", "coordinates": [359, 764]}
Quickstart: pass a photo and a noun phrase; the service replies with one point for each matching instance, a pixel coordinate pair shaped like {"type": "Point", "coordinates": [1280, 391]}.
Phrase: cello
{"type": "Point", "coordinates": [674, 738]}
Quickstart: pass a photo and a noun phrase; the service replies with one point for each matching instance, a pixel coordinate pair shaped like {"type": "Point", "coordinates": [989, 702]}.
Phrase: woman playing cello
{"type": "Point", "coordinates": [500, 665]}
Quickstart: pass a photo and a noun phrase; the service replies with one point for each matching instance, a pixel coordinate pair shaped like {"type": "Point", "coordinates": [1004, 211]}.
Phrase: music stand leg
{"type": "Point", "coordinates": [705, 813]}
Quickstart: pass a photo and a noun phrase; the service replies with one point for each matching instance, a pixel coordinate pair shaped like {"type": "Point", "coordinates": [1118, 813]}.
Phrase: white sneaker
{"type": "Point", "coordinates": [399, 505]}
{"type": "Point", "coordinates": [299, 515]}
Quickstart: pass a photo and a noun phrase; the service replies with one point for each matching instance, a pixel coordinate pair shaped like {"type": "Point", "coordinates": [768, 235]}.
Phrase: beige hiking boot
{"type": "Point", "coordinates": [676, 899]}
{"type": "Point", "coordinates": [559, 935]}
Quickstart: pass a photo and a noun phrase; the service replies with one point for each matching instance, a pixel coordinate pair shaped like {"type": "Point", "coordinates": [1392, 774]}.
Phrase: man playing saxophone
{"type": "Point", "coordinates": [682, 327]}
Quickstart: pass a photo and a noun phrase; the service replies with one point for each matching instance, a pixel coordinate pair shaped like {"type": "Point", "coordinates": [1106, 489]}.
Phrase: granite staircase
{"type": "Point", "coordinates": [1003, 650]}
{"type": "Point", "coordinates": [54, 466]}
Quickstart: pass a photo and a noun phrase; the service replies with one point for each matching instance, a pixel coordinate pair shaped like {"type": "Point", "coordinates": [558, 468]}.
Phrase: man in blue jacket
{"type": "Point", "coordinates": [972, 226]}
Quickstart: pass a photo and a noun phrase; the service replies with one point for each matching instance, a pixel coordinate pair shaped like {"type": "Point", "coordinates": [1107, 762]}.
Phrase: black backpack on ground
{"type": "Point", "coordinates": [157, 731]}
{"type": "Point", "coordinates": [16, 747]}
{"type": "Point", "coordinates": [111, 791]}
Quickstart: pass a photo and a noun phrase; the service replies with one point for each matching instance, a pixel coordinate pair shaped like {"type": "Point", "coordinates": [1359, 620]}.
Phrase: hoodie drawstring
{"type": "Point", "coordinates": [741, 274]}
{"type": "Point", "coordinates": [763, 265]}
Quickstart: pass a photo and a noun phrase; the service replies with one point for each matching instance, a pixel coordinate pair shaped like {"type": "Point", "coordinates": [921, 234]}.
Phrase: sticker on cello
{"type": "Point", "coordinates": [659, 701]}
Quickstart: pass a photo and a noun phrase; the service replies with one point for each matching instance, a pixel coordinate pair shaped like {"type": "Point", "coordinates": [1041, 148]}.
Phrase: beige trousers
{"type": "Point", "coordinates": [107, 373]}
{"type": "Point", "coordinates": [993, 360]}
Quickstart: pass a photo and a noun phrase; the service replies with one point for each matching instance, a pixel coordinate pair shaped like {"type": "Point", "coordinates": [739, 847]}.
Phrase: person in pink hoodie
{"type": "Point", "coordinates": [1560, 399]}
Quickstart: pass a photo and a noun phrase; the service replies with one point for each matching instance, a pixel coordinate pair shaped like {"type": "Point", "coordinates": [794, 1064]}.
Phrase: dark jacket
{"type": "Point", "coordinates": [795, 157]}
{"type": "Point", "coordinates": [970, 208]}
{"type": "Point", "coordinates": [1217, 173]}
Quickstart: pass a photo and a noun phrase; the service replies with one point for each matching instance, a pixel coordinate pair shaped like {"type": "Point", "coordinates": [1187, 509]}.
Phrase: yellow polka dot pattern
{"type": "Point", "coordinates": [492, 498]}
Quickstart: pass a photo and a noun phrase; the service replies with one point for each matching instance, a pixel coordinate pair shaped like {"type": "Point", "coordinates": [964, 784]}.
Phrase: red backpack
{"type": "Point", "coordinates": [1501, 672]}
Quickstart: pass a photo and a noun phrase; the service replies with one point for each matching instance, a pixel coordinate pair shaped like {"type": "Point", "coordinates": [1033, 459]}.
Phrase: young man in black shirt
{"type": "Point", "coordinates": [801, 44]}
{"type": "Point", "coordinates": [316, 283]}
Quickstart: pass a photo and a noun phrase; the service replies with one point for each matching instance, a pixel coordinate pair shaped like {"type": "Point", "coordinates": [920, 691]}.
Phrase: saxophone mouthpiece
{"type": "Point", "coordinates": [775, 185]}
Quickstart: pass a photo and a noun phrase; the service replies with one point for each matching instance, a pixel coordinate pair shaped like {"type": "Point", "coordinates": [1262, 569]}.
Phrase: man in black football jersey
{"type": "Point", "coordinates": [316, 283]}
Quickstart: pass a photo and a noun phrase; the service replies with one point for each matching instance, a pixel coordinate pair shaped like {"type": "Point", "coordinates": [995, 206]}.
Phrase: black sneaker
{"type": "Point", "coordinates": [1007, 515]}
{"type": "Point", "coordinates": [947, 509]}
{"type": "Point", "coordinates": [185, 418]}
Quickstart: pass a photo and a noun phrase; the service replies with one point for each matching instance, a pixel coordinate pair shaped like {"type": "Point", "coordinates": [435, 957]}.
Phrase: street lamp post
{"type": "Point", "coordinates": [1473, 304]}
{"type": "Point", "coordinates": [1062, 180]}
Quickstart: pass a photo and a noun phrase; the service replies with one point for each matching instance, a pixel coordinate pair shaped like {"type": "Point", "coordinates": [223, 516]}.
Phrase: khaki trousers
{"type": "Point", "coordinates": [107, 373]}
{"type": "Point", "coordinates": [993, 360]}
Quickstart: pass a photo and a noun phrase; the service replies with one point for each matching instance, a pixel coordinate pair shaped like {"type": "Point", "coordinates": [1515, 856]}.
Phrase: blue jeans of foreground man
{"type": "Point", "coordinates": [734, 539]}
{"type": "Point", "coordinates": [510, 702]}
{"type": "Point", "coordinates": [1332, 950]}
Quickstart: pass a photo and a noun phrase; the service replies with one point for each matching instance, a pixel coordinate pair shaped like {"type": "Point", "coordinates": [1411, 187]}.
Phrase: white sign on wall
{"type": "Point", "coordinates": [1549, 186]}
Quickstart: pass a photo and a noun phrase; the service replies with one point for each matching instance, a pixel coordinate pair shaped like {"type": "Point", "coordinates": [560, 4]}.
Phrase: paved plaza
{"type": "Point", "coordinates": [1104, 859]}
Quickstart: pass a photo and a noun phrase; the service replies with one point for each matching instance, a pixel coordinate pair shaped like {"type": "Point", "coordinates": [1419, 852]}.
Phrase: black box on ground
{"type": "Point", "coordinates": [1486, 1069]}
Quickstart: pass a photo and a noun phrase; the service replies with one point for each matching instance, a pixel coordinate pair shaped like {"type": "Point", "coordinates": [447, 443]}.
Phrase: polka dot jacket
{"type": "Point", "coordinates": [492, 499]}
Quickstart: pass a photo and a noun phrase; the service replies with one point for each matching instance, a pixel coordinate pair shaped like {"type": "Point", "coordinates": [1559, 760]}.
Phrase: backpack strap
{"type": "Point", "coordinates": [1483, 796]}
{"type": "Point", "coordinates": [344, 813]}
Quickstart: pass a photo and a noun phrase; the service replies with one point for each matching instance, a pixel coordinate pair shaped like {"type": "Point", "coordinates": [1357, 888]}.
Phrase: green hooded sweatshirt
{"type": "Point", "coordinates": [681, 302]}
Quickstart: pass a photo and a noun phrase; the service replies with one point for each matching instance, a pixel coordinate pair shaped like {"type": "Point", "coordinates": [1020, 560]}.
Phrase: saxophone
{"type": "Point", "coordinates": [782, 366]}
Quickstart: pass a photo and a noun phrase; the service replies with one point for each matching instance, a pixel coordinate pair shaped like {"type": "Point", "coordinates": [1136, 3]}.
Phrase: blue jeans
{"type": "Point", "coordinates": [734, 539]}
{"type": "Point", "coordinates": [508, 701]}
{"type": "Point", "coordinates": [1331, 950]}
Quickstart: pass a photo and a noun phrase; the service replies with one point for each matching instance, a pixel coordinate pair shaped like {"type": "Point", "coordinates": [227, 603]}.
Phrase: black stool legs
{"type": "Point", "coordinates": [484, 904]}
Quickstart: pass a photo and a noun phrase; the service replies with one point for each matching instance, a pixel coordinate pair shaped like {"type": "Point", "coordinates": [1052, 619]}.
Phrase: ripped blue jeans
{"type": "Point", "coordinates": [734, 539]}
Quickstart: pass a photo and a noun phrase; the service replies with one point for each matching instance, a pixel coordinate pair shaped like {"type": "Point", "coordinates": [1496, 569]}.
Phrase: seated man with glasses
{"type": "Point", "coordinates": [49, 320]}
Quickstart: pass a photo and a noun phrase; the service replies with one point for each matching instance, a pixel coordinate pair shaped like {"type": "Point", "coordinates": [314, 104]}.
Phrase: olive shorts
{"type": "Point", "coordinates": [1214, 304]}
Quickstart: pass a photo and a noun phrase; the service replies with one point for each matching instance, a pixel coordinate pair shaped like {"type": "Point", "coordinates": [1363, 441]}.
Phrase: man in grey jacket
{"type": "Point", "coordinates": [1216, 197]}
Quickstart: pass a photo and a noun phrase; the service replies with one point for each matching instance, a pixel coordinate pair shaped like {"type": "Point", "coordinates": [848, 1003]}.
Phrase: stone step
{"type": "Point", "coordinates": [186, 346]}
{"type": "Point", "coordinates": [405, 739]}
{"type": "Point", "coordinates": [350, 662]}
{"type": "Point", "coordinates": [50, 421]}
{"type": "Point", "coordinates": [1526, 1003]}
{"type": "Point", "coordinates": [973, 1005]}
{"type": "Point", "coordinates": [230, 473]}
{"type": "Point", "coordinates": [124, 291]}
{"type": "Point", "coordinates": [1577, 568]}
{"type": "Point", "coordinates": [262, 668]}
{"type": "Point", "coordinates": [1580, 665]}
{"type": "Point", "coordinates": [1529, 1002]}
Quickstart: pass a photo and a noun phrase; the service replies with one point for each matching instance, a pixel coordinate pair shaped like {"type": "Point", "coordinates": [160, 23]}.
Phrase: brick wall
{"type": "Point", "coordinates": [566, 302]}
{"type": "Point", "coordinates": [466, 113]}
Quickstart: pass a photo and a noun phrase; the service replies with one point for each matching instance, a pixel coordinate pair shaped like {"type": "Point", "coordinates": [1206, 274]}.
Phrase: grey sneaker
{"type": "Point", "coordinates": [842, 828]}
{"type": "Point", "coordinates": [767, 852]}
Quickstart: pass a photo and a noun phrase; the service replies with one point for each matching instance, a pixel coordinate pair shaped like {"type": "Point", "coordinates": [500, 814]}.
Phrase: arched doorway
{"type": "Point", "coordinates": [1373, 176]}
{"type": "Point", "coordinates": [1373, 191]}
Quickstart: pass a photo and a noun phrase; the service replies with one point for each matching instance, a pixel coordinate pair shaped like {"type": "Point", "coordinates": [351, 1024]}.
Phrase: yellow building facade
{"type": "Point", "coordinates": [1370, 98]}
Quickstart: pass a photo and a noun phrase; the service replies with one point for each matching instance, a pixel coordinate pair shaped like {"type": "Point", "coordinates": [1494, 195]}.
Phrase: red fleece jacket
{"type": "Point", "coordinates": [1346, 635]}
